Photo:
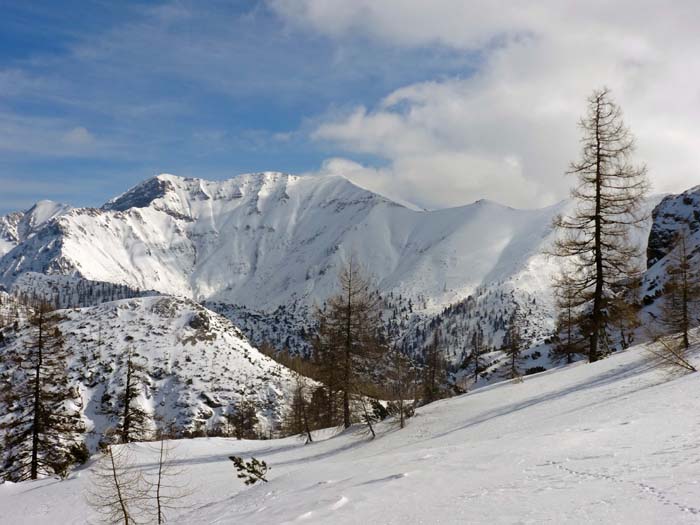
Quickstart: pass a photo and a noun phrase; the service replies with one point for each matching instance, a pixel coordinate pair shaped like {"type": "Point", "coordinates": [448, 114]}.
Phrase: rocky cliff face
{"type": "Point", "coordinates": [670, 215]}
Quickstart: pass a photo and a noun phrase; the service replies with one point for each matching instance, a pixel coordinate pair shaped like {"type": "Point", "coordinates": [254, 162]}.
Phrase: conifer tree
{"type": "Point", "coordinates": [679, 312]}
{"type": "Point", "coordinates": [117, 490]}
{"type": "Point", "coordinates": [297, 418]}
{"type": "Point", "coordinates": [568, 339]}
{"type": "Point", "coordinates": [134, 421]}
{"type": "Point", "coordinates": [325, 400]}
{"type": "Point", "coordinates": [243, 417]}
{"type": "Point", "coordinates": [42, 423]}
{"type": "Point", "coordinates": [434, 377]}
{"type": "Point", "coordinates": [513, 348]}
{"type": "Point", "coordinates": [609, 196]}
{"type": "Point", "coordinates": [165, 489]}
{"type": "Point", "coordinates": [402, 377]}
{"type": "Point", "coordinates": [350, 333]}
{"type": "Point", "coordinates": [477, 352]}
{"type": "Point", "coordinates": [624, 306]}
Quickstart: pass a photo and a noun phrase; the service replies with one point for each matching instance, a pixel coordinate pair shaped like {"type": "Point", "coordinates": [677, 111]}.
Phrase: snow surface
{"type": "Point", "coordinates": [617, 441]}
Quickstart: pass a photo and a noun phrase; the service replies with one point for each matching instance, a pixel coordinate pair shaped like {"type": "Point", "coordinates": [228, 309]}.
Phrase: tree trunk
{"type": "Point", "coordinates": [348, 357]}
{"type": "Point", "coordinates": [599, 276]}
{"type": "Point", "coordinates": [127, 402]}
{"type": "Point", "coordinates": [118, 488]}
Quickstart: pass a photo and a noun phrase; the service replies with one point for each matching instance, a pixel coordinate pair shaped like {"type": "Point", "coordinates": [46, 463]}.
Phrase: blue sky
{"type": "Point", "coordinates": [99, 95]}
{"type": "Point", "coordinates": [439, 103]}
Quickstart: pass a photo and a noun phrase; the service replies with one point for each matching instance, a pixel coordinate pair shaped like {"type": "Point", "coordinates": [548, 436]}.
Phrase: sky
{"type": "Point", "coordinates": [437, 103]}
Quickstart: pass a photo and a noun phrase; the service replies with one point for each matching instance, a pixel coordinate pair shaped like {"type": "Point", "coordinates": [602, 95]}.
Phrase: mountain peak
{"type": "Point", "coordinates": [141, 195]}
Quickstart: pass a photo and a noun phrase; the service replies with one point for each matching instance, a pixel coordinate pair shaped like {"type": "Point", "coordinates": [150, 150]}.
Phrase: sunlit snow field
{"type": "Point", "coordinates": [617, 441]}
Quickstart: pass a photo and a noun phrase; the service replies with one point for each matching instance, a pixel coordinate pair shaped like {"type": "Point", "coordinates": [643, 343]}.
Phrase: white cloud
{"type": "Point", "coordinates": [56, 137]}
{"type": "Point", "coordinates": [508, 131]}
{"type": "Point", "coordinates": [78, 136]}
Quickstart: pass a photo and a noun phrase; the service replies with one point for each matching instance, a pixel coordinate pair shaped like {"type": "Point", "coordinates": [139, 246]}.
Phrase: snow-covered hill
{"type": "Point", "coordinates": [616, 441]}
{"type": "Point", "coordinates": [197, 365]}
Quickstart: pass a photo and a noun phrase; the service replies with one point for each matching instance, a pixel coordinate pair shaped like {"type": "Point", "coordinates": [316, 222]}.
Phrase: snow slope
{"type": "Point", "coordinates": [617, 441]}
{"type": "Point", "coordinates": [197, 364]}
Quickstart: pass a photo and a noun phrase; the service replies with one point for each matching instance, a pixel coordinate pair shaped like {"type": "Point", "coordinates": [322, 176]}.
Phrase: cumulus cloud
{"type": "Point", "coordinates": [508, 130]}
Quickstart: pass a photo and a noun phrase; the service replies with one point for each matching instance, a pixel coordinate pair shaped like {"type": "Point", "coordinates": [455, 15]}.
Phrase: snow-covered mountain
{"type": "Point", "coordinates": [197, 365]}
{"type": "Point", "coordinates": [271, 240]}
{"type": "Point", "coordinates": [264, 249]}
{"type": "Point", "coordinates": [672, 215]}
{"type": "Point", "coordinates": [18, 226]}
{"type": "Point", "coordinates": [669, 216]}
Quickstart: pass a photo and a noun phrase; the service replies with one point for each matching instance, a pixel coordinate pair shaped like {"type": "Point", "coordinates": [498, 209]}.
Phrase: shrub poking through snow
{"type": "Point", "coordinates": [250, 471]}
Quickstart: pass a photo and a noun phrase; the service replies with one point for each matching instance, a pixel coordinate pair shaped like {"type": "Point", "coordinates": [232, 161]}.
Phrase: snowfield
{"type": "Point", "coordinates": [617, 441]}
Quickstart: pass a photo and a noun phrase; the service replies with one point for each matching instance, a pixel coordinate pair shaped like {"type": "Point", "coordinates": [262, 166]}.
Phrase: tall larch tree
{"type": "Point", "coordinates": [609, 198]}
{"type": "Point", "coordinates": [351, 332]}
{"type": "Point", "coordinates": [42, 426]}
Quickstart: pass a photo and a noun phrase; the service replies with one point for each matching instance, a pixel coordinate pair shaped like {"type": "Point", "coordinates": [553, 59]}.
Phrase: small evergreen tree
{"type": "Point", "coordinates": [243, 418]}
{"type": "Point", "coordinates": [250, 471]}
{"type": "Point", "coordinates": [568, 341]}
{"type": "Point", "coordinates": [434, 377]}
{"type": "Point", "coordinates": [513, 348]}
{"type": "Point", "coordinates": [679, 312]}
{"type": "Point", "coordinates": [134, 421]}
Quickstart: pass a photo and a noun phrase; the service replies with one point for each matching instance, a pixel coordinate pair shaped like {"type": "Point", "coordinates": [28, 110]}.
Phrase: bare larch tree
{"type": "Point", "coordinates": [609, 200]}
{"type": "Point", "coordinates": [42, 423]}
{"type": "Point", "coordinates": [117, 491]}
{"type": "Point", "coordinates": [681, 293]}
{"type": "Point", "coordinates": [350, 332]}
